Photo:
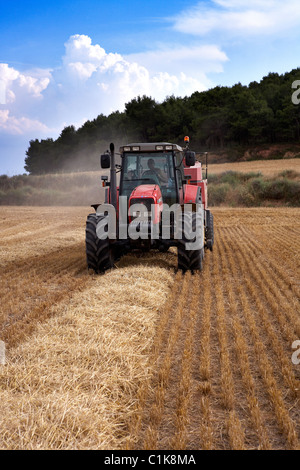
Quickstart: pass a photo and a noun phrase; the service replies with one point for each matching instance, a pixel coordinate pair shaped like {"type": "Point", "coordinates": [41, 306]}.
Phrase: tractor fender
{"type": "Point", "coordinates": [192, 194]}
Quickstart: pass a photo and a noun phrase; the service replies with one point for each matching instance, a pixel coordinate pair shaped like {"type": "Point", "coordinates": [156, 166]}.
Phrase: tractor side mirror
{"type": "Point", "coordinates": [105, 161]}
{"type": "Point", "coordinates": [190, 158]}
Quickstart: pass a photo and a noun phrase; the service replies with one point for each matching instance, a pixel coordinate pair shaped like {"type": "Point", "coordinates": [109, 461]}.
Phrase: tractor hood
{"type": "Point", "coordinates": [148, 195]}
{"type": "Point", "coordinates": [147, 191]}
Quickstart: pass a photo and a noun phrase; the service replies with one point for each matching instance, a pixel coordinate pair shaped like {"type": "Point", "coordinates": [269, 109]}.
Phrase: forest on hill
{"type": "Point", "coordinates": [236, 117]}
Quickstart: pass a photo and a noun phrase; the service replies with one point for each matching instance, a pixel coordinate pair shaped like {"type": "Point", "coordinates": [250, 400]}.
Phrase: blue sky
{"type": "Point", "coordinates": [63, 62]}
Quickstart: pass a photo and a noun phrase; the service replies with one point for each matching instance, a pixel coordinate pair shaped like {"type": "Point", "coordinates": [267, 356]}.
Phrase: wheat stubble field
{"type": "Point", "coordinates": [144, 357]}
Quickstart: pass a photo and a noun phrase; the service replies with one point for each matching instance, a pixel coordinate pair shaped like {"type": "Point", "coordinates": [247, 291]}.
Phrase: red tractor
{"type": "Point", "coordinates": [161, 201]}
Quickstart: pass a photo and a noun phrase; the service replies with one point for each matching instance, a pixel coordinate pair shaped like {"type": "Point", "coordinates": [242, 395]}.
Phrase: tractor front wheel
{"type": "Point", "coordinates": [209, 230]}
{"type": "Point", "coordinates": [99, 253]}
{"type": "Point", "coordinates": [191, 232]}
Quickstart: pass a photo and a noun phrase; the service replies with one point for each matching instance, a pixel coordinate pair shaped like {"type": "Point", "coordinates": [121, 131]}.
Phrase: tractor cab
{"type": "Point", "coordinates": [153, 164]}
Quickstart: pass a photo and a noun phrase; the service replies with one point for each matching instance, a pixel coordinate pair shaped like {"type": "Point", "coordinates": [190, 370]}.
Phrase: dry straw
{"type": "Point", "coordinates": [73, 385]}
{"type": "Point", "coordinates": [141, 357]}
{"type": "Point", "coordinates": [285, 423]}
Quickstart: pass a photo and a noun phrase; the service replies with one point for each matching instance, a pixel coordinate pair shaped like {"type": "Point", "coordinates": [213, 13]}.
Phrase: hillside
{"type": "Point", "coordinates": [265, 167]}
{"type": "Point", "coordinates": [264, 152]}
{"type": "Point", "coordinates": [240, 184]}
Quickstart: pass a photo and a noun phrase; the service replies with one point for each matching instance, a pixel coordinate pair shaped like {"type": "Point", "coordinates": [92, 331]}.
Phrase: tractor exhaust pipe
{"type": "Point", "coordinates": [113, 177]}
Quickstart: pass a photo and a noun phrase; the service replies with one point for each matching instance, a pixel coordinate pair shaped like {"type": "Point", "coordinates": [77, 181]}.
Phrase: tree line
{"type": "Point", "coordinates": [221, 117]}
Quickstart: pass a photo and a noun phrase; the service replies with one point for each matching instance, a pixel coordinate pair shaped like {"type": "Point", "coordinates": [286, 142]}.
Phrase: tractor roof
{"type": "Point", "coordinates": [152, 147]}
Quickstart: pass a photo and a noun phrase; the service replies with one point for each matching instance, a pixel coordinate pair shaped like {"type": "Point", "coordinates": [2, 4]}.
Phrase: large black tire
{"type": "Point", "coordinates": [209, 231]}
{"type": "Point", "coordinates": [190, 260]}
{"type": "Point", "coordinates": [99, 253]}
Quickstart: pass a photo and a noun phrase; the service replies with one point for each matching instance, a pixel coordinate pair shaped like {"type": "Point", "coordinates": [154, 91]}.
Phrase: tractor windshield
{"type": "Point", "coordinates": [149, 168]}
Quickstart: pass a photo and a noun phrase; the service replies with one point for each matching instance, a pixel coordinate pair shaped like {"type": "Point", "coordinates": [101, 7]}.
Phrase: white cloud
{"type": "Point", "coordinates": [21, 93]}
{"type": "Point", "coordinates": [239, 18]}
{"type": "Point", "coordinates": [8, 74]}
{"type": "Point", "coordinates": [34, 86]}
{"type": "Point", "coordinates": [33, 83]}
{"type": "Point", "coordinates": [19, 126]}
{"type": "Point", "coordinates": [196, 61]}
{"type": "Point", "coordinates": [80, 48]}
{"type": "Point", "coordinates": [90, 81]}
{"type": "Point", "coordinates": [181, 85]}
{"type": "Point", "coordinates": [262, 4]}
{"type": "Point", "coordinates": [83, 71]}
{"type": "Point", "coordinates": [84, 58]}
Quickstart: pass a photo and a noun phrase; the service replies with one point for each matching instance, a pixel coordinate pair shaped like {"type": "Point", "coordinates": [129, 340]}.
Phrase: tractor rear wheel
{"type": "Point", "coordinates": [209, 231]}
{"type": "Point", "coordinates": [99, 253]}
{"type": "Point", "coordinates": [190, 260]}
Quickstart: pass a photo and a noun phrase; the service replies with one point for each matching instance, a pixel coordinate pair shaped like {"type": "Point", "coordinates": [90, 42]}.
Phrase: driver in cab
{"type": "Point", "coordinates": [153, 171]}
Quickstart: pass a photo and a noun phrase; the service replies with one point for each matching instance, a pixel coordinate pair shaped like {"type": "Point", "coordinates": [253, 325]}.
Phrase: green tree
{"type": "Point", "coordinates": [141, 112]}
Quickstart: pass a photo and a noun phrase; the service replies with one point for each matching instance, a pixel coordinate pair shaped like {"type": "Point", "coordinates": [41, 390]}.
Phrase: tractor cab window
{"type": "Point", "coordinates": [180, 168]}
{"type": "Point", "coordinates": [149, 168]}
